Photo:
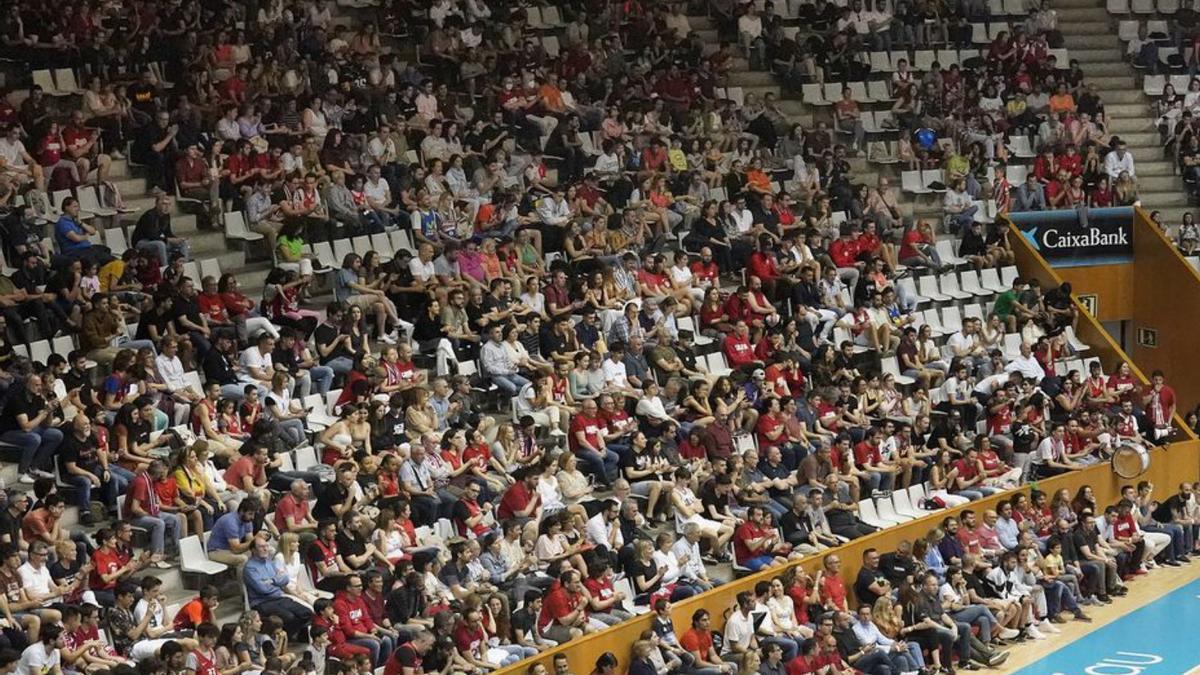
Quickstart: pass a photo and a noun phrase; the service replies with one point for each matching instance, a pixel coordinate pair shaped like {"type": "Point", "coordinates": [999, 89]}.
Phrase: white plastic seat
{"type": "Point", "coordinates": [361, 244]}
{"type": "Point", "coordinates": [1018, 144]}
{"type": "Point", "coordinates": [717, 365]}
{"type": "Point", "coordinates": [973, 311]}
{"type": "Point", "coordinates": [65, 82]}
{"type": "Point", "coordinates": [45, 80]}
{"type": "Point", "coordinates": [868, 514]}
{"type": "Point", "coordinates": [923, 60]}
{"type": "Point", "coordinates": [813, 94]}
{"type": "Point", "coordinates": [1073, 340]}
{"type": "Point", "coordinates": [1012, 346]}
{"type": "Point", "coordinates": [945, 250]}
{"type": "Point", "coordinates": [878, 90]}
{"type": "Point", "coordinates": [927, 285]}
{"type": "Point", "coordinates": [1153, 85]}
{"type": "Point", "coordinates": [890, 367]}
{"type": "Point", "coordinates": [341, 249]}
{"type": "Point", "coordinates": [907, 287]}
{"type": "Point", "coordinates": [324, 253]}
{"type": "Point", "coordinates": [902, 503]}
{"type": "Point", "coordinates": [934, 320]}
{"type": "Point", "coordinates": [191, 270]}
{"type": "Point", "coordinates": [931, 176]}
{"type": "Point", "coordinates": [382, 245]}
{"type": "Point", "coordinates": [235, 227]}
{"type": "Point", "coordinates": [989, 278]}
{"type": "Point", "coordinates": [1120, 7]}
{"type": "Point", "coordinates": [969, 283]}
{"type": "Point", "coordinates": [114, 239]}
{"type": "Point", "coordinates": [1142, 6]}
{"type": "Point", "coordinates": [887, 511]}
{"type": "Point", "coordinates": [952, 318]}
{"type": "Point", "coordinates": [90, 203]}
{"type": "Point", "coordinates": [910, 181]}
{"type": "Point", "coordinates": [210, 267]}
{"type": "Point", "coordinates": [841, 334]}
{"type": "Point", "coordinates": [881, 62]}
{"type": "Point", "coordinates": [194, 559]}
{"type": "Point", "coordinates": [1016, 173]}
{"type": "Point", "coordinates": [858, 91]}
{"type": "Point", "coordinates": [1007, 274]}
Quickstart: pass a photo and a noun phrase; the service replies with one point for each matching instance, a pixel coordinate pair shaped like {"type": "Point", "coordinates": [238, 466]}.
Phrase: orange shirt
{"type": "Point", "coordinates": [1062, 103]}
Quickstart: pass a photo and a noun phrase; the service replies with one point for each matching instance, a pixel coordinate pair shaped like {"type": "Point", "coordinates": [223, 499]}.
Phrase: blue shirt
{"type": "Point", "coordinates": [228, 527]}
{"type": "Point", "coordinates": [264, 581]}
{"type": "Point", "coordinates": [66, 225]}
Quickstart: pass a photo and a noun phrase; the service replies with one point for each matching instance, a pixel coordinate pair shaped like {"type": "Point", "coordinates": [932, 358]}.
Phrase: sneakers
{"type": "Point", "coordinates": [1080, 616]}
{"type": "Point", "coordinates": [1033, 633]}
{"type": "Point", "coordinates": [163, 565]}
{"type": "Point", "coordinates": [387, 339]}
{"type": "Point", "coordinates": [1048, 627]}
{"type": "Point", "coordinates": [1008, 633]}
{"type": "Point", "coordinates": [997, 658]}
{"type": "Point", "coordinates": [27, 478]}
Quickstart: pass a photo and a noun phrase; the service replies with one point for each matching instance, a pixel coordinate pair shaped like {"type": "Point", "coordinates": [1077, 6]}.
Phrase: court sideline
{"type": "Point", "coordinates": [1128, 636]}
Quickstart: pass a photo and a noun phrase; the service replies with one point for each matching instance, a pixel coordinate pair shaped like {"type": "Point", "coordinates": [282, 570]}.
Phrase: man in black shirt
{"type": "Point", "coordinates": [1175, 510]}
{"type": "Point", "coordinates": [898, 565]}
{"type": "Point", "coordinates": [155, 146]}
{"type": "Point", "coordinates": [410, 654]}
{"type": "Point", "coordinates": [871, 582]}
{"type": "Point", "coordinates": [15, 507]}
{"type": "Point", "coordinates": [337, 499]}
{"type": "Point", "coordinates": [220, 369]}
{"type": "Point", "coordinates": [39, 304]}
{"type": "Point", "coordinates": [332, 346]}
{"type": "Point", "coordinates": [190, 321]}
{"type": "Point", "coordinates": [79, 465]}
{"type": "Point", "coordinates": [797, 527]}
{"type": "Point", "coordinates": [868, 659]}
{"type": "Point", "coordinates": [28, 422]}
{"type": "Point", "coordinates": [143, 96]}
{"type": "Point", "coordinates": [153, 232]}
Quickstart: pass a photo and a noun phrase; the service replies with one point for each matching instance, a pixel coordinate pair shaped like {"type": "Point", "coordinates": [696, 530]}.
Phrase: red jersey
{"type": "Point", "coordinates": [738, 351]}
{"type": "Point", "coordinates": [844, 252]}
{"type": "Point", "coordinates": [591, 427]}
{"type": "Point", "coordinates": [353, 614]}
{"type": "Point", "coordinates": [517, 498]}
{"type": "Point", "coordinates": [745, 532]}
{"type": "Point", "coordinates": [762, 265]}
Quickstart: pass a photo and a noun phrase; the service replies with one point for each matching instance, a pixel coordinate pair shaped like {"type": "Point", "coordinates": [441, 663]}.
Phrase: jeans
{"type": "Point", "coordinates": [37, 447]}
{"type": "Point", "coordinates": [83, 491]}
{"type": "Point", "coordinates": [320, 377]}
{"type": "Point", "coordinates": [161, 248]}
{"type": "Point", "coordinates": [292, 430]}
{"type": "Point", "coordinates": [342, 365]}
{"type": "Point", "coordinates": [235, 391]}
{"type": "Point", "coordinates": [873, 662]}
{"type": "Point", "coordinates": [510, 384]}
{"type": "Point", "coordinates": [380, 648]}
{"type": "Point", "coordinates": [160, 527]}
{"type": "Point", "coordinates": [602, 465]}
{"type": "Point", "coordinates": [977, 614]}
{"type": "Point", "coordinates": [789, 646]}
{"type": "Point", "coordinates": [295, 616]}
{"type": "Point", "coordinates": [1178, 544]}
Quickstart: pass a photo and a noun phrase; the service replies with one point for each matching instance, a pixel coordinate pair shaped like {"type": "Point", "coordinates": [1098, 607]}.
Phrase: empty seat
{"type": "Point", "coordinates": [969, 282]}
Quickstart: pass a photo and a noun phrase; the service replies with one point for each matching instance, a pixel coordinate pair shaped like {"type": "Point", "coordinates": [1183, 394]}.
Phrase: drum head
{"type": "Point", "coordinates": [1129, 462]}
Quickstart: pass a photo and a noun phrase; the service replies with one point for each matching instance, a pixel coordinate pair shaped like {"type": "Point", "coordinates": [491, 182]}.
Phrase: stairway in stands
{"type": "Point", "coordinates": [1090, 34]}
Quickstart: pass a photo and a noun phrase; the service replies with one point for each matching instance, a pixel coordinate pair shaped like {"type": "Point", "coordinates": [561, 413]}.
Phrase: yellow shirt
{"type": "Point", "coordinates": [678, 159]}
{"type": "Point", "coordinates": [110, 274]}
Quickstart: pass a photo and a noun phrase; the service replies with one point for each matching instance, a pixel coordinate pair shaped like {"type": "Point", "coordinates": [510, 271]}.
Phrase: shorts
{"type": "Point", "coordinates": [146, 649]}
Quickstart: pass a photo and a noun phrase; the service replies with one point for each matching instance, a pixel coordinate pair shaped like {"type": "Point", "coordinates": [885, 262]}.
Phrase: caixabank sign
{"type": "Point", "coordinates": [1073, 237]}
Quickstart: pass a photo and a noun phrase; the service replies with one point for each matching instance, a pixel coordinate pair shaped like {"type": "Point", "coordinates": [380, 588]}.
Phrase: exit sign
{"type": "Point", "coordinates": [1147, 337]}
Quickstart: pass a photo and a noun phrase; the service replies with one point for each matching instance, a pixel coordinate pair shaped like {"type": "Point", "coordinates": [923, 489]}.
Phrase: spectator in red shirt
{"type": "Point", "coordinates": [521, 502]}
{"type": "Point", "coordinates": [564, 611]}
{"type": "Point", "coordinates": [756, 544]}
{"type": "Point", "coordinates": [292, 514]}
{"type": "Point", "coordinates": [738, 351]}
{"type": "Point", "coordinates": [142, 509]}
{"type": "Point", "coordinates": [698, 641]}
{"type": "Point", "coordinates": [355, 619]}
{"type": "Point", "coordinates": [844, 251]}
{"type": "Point", "coordinates": [764, 266]}
{"type": "Point", "coordinates": [831, 588]}
{"type": "Point", "coordinates": [325, 616]}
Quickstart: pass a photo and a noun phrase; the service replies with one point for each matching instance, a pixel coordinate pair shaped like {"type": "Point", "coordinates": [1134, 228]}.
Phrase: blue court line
{"type": "Point", "coordinates": [1152, 640]}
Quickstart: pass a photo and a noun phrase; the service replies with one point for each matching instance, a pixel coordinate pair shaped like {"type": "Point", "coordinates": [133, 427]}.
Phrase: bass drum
{"type": "Point", "coordinates": [1130, 461]}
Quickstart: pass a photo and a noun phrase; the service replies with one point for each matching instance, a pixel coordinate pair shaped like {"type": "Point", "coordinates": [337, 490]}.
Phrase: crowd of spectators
{"type": "Point", "coordinates": [953, 600]}
{"type": "Point", "coordinates": [630, 341]}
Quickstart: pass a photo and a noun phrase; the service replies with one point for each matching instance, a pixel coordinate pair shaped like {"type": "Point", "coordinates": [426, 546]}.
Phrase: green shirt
{"type": "Point", "coordinates": [1004, 303]}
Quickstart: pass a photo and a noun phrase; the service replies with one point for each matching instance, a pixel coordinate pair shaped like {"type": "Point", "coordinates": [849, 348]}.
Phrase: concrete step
{"type": "Point", "coordinates": [1124, 126]}
{"type": "Point", "coordinates": [1158, 199]}
{"type": "Point", "coordinates": [1134, 110]}
{"type": "Point", "coordinates": [1098, 54]}
{"type": "Point", "coordinates": [1117, 67]}
{"type": "Point", "coordinates": [1086, 32]}
{"type": "Point", "coordinates": [1122, 96]}
{"type": "Point", "coordinates": [1141, 139]}
{"type": "Point", "coordinates": [1155, 184]}
{"type": "Point", "coordinates": [1063, 5]}
{"type": "Point", "coordinates": [1067, 16]}
{"type": "Point", "coordinates": [750, 78]}
{"type": "Point", "coordinates": [1110, 83]}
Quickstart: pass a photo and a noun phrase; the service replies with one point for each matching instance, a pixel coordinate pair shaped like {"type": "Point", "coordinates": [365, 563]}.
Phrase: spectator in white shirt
{"type": "Point", "coordinates": [170, 369]}
{"type": "Point", "coordinates": [750, 30]}
{"type": "Point", "coordinates": [687, 553]}
{"type": "Point", "coordinates": [1117, 160]}
{"type": "Point", "coordinates": [1026, 365]}
{"type": "Point", "coordinates": [604, 528]}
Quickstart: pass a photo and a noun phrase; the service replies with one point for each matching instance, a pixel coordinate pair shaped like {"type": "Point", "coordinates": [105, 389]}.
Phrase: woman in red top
{"type": "Point", "coordinates": [50, 155]}
{"type": "Point", "coordinates": [1101, 195]}
{"type": "Point", "coordinates": [713, 317]}
{"type": "Point", "coordinates": [1122, 383]}
{"type": "Point", "coordinates": [799, 587]}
